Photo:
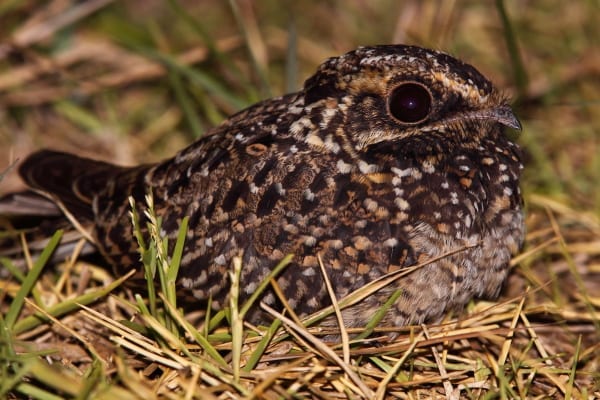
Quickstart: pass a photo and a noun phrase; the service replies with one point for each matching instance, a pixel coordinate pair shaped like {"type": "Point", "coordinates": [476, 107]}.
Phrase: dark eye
{"type": "Point", "coordinates": [410, 102]}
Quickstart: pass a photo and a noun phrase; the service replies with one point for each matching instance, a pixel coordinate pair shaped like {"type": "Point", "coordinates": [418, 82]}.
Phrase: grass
{"type": "Point", "coordinates": [136, 81]}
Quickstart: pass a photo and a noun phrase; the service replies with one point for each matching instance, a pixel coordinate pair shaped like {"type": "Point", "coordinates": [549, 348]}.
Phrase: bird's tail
{"type": "Point", "coordinates": [64, 186]}
{"type": "Point", "coordinates": [69, 180]}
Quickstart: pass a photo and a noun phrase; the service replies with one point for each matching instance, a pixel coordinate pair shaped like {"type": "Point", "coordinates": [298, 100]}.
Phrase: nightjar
{"type": "Point", "coordinates": [388, 157]}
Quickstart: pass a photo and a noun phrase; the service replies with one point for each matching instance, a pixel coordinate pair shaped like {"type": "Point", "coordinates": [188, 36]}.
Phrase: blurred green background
{"type": "Point", "coordinates": [134, 81]}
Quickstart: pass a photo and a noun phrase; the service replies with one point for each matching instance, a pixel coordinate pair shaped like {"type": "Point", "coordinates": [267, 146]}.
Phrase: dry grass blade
{"type": "Point", "coordinates": [37, 31]}
{"type": "Point", "coordinates": [338, 313]}
{"type": "Point", "coordinates": [443, 374]}
{"type": "Point", "coordinates": [375, 285]}
{"type": "Point", "coordinates": [508, 341]}
{"type": "Point", "coordinates": [237, 323]}
{"type": "Point", "coordinates": [322, 347]}
{"type": "Point", "coordinates": [382, 386]}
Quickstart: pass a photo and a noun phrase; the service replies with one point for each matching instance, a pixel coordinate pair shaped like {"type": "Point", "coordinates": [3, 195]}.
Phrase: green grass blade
{"type": "Point", "coordinates": [7, 170]}
{"type": "Point", "coordinates": [12, 269]}
{"type": "Point", "coordinates": [34, 392]}
{"type": "Point", "coordinates": [291, 56]}
{"type": "Point", "coordinates": [197, 77]}
{"type": "Point", "coordinates": [31, 279]}
{"type": "Point", "coordinates": [519, 71]}
{"type": "Point", "coordinates": [262, 346]}
{"type": "Point", "coordinates": [176, 261]}
{"type": "Point", "coordinates": [65, 307]}
{"type": "Point", "coordinates": [260, 71]}
{"type": "Point", "coordinates": [197, 337]}
{"type": "Point", "coordinates": [573, 372]}
{"type": "Point", "coordinates": [378, 316]}
{"type": "Point", "coordinates": [282, 264]}
{"type": "Point", "coordinates": [186, 104]}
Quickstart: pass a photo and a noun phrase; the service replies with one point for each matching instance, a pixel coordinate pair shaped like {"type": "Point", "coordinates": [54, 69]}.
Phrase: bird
{"type": "Point", "coordinates": [389, 157]}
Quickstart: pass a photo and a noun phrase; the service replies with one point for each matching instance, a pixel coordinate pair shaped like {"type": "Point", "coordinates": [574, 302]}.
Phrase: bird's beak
{"type": "Point", "coordinates": [505, 115]}
{"type": "Point", "coordinates": [502, 114]}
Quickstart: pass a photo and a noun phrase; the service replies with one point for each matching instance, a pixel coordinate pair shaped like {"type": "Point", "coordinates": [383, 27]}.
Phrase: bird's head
{"type": "Point", "coordinates": [422, 100]}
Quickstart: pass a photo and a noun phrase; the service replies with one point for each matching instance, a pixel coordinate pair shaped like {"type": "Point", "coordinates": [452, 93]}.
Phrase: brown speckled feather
{"type": "Point", "coordinates": [389, 156]}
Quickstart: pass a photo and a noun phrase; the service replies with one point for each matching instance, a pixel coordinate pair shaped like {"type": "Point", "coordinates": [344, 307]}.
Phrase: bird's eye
{"type": "Point", "coordinates": [410, 102]}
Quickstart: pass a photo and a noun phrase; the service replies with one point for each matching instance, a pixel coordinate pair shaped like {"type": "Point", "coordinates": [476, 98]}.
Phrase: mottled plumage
{"type": "Point", "coordinates": [389, 156]}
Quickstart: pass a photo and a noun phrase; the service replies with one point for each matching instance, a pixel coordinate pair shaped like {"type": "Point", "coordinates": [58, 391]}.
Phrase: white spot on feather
{"type": "Point", "coordinates": [220, 260]}
{"type": "Point", "coordinates": [309, 195]}
{"type": "Point", "coordinates": [401, 203]}
{"type": "Point", "coordinates": [366, 168]}
{"type": "Point", "coordinates": [391, 242]}
{"type": "Point", "coordinates": [343, 167]}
